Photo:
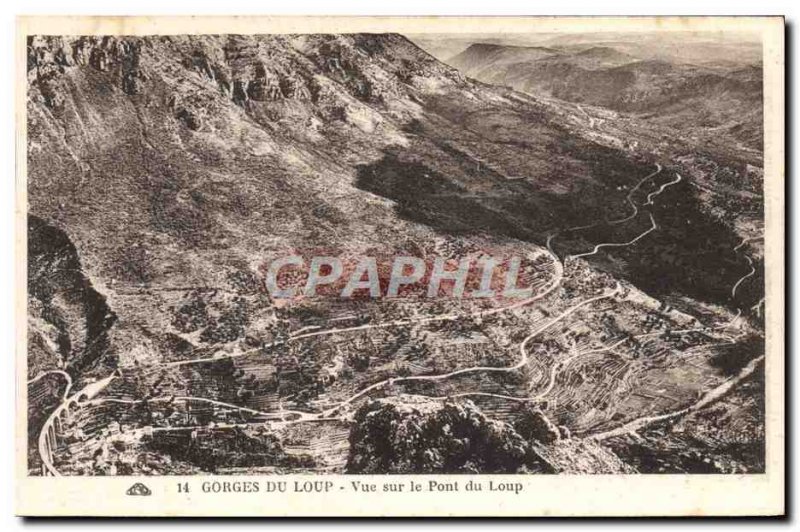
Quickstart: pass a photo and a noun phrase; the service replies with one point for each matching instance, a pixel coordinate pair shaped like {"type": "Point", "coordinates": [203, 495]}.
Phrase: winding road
{"type": "Point", "coordinates": [598, 247]}
{"type": "Point", "coordinates": [662, 188]}
{"type": "Point", "coordinates": [749, 262]}
{"type": "Point", "coordinates": [86, 396]}
{"type": "Point", "coordinates": [629, 197]}
{"type": "Point", "coordinates": [487, 369]}
{"type": "Point", "coordinates": [744, 277]}
{"type": "Point", "coordinates": [559, 274]}
{"type": "Point", "coordinates": [48, 433]}
{"type": "Point", "coordinates": [710, 397]}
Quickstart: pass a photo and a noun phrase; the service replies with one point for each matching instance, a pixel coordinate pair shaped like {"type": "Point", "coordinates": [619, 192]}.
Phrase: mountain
{"type": "Point", "coordinates": [714, 99]}
{"type": "Point", "coordinates": [165, 173]}
{"type": "Point", "coordinates": [484, 55]}
{"type": "Point", "coordinates": [485, 60]}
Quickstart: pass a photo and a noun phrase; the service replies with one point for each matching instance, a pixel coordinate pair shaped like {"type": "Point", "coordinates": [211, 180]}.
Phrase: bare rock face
{"type": "Point", "coordinates": [299, 79]}
{"type": "Point", "coordinates": [49, 58]}
{"type": "Point", "coordinates": [534, 425]}
{"type": "Point", "coordinates": [413, 434]}
{"type": "Point", "coordinates": [69, 322]}
{"type": "Point", "coordinates": [416, 435]}
{"type": "Point", "coordinates": [266, 85]}
{"type": "Point", "coordinates": [74, 315]}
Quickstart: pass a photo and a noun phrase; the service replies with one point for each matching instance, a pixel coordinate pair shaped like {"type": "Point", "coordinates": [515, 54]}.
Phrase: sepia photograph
{"type": "Point", "coordinates": [473, 254]}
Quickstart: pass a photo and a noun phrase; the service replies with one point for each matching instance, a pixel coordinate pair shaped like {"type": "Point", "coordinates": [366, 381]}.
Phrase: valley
{"type": "Point", "coordinates": [166, 174]}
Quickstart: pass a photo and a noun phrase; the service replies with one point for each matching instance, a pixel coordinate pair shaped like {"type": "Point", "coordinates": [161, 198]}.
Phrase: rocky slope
{"type": "Point", "coordinates": [176, 167]}
{"type": "Point", "coordinates": [409, 434]}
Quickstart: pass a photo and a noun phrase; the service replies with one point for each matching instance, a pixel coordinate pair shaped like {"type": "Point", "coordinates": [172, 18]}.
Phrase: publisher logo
{"type": "Point", "coordinates": [138, 489]}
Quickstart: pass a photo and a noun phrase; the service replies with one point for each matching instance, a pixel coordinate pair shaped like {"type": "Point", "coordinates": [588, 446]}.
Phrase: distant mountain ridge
{"type": "Point", "coordinates": [727, 97]}
{"type": "Point", "coordinates": [173, 169]}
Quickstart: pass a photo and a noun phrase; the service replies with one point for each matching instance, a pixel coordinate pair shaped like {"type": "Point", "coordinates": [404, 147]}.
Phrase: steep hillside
{"type": "Point", "coordinates": [171, 170]}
